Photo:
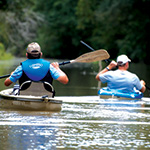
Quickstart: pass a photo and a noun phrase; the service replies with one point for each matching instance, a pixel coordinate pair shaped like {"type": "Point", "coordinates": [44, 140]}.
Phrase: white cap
{"type": "Point", "coordinates": [122, 59]}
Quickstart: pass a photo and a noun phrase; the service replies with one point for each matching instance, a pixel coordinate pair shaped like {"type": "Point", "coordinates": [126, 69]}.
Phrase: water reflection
{"type": "Point", "coordinates": [21, 130]}
{"type": "Point", "coordinates": [26, 137]}
{"type": "Point", "coordinates": [78, 126]}
{"type": "Point", "coordinates": [84, 122]}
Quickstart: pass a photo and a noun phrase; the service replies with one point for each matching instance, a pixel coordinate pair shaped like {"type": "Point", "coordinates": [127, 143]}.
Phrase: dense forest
{"type": "Point", "coordinates": [119, 26]}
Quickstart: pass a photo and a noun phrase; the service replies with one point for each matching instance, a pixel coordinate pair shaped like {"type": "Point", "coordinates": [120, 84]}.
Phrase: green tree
{"type": "Point", "coordinates": [4, 55]}
{"type": "Point", "coordinates": [18, 25]}
{"type": "Point", "coordinates": [58, 36]}
{"type": "Point", "coordinates": [124, 27]}
{"type": "Point", "coordinates": [117, 26]}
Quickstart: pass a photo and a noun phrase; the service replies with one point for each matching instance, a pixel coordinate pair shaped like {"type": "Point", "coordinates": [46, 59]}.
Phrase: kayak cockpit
{"type": "Point", "coordinates": [106, 93]}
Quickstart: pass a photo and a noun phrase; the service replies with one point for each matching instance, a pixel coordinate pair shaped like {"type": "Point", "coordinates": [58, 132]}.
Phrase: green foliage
{"type": "Point", "coordinates": [18, 25]}
{"type": "Point", "coordinates": [123, 27]}
{"type": "Point", "coordinates": [3, 54]}
{"type": "Point", "coordinates": [3, 4]}
{"type": "Point", "coordinates": [117, 26]}
{"type": "Point", "coordinates": [85, 14]}
{"type": "Point", "coordinates": [58, 36]}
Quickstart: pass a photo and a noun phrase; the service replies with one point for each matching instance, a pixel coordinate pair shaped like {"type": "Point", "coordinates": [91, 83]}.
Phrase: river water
{"type": "Point", "coordinates": [85, 121]}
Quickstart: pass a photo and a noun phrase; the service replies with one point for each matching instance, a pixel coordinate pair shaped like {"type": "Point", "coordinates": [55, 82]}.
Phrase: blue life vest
{"type": "Point", "coordinates": [35, 69]}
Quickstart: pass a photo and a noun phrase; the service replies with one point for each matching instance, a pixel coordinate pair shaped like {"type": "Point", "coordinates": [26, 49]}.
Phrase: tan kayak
{"type": "Point", "coordinates": [28, 102]}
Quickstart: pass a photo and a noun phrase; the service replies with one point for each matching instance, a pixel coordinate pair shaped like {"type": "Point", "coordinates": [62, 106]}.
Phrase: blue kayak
{"type": "Point", "coordinates": [119, 93]}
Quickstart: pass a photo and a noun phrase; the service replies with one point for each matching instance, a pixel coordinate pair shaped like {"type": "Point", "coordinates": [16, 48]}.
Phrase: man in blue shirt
{"type": "Point", "coordinates": [121, 78]}
{"type": "Point", "coordinates": [36, 69]}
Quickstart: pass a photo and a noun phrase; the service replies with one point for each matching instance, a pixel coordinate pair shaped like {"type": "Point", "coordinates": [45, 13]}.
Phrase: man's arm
{"type": "Point", "coordinates": [63, 77]}
{"type": "Point", "coordinates": [143, 86]}
{"type": "Point", "coordinates": [8, 82]}
{"type": "Point", "coordinates": [15, 75]}
{"type": "Point", "coordinates": [112, 65]}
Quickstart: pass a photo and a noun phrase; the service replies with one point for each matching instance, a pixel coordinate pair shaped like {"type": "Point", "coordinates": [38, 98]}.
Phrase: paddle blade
{"type": "Point", "coordinates": [93, 56]}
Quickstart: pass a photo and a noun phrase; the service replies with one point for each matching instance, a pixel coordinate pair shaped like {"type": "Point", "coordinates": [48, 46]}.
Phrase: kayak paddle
{"type": "Point", "coordinates": [106, 60]}
{"type": "Point", "coordinates": [89, 57]}
{"type": "Point", "coordinates": [4, 76]}
{"type": "Point", "coordinates": [85, 58]}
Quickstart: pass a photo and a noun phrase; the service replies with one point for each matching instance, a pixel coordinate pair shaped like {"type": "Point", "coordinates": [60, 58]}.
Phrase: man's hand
{"type": "Point", "coordinates": [112, 65]}
{"type": "Point", "coordinates": [55, 65]}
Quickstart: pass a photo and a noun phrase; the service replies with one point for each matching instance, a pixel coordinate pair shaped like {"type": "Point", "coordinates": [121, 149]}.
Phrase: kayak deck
{"type": "Point", "coordinates": [28, 102]}
{"type": "Point", "coordinates": [117, 97]}
{"type": "Point", "coordinates": [119, 94]}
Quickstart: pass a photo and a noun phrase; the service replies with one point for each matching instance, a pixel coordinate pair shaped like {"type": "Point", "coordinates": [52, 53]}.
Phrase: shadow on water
{"type": "Point", "coordinates": [85, 121]}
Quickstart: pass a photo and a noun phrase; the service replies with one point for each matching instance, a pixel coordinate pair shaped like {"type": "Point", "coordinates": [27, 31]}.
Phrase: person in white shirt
{"type": "Point", "coordinates": [121, 78]}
